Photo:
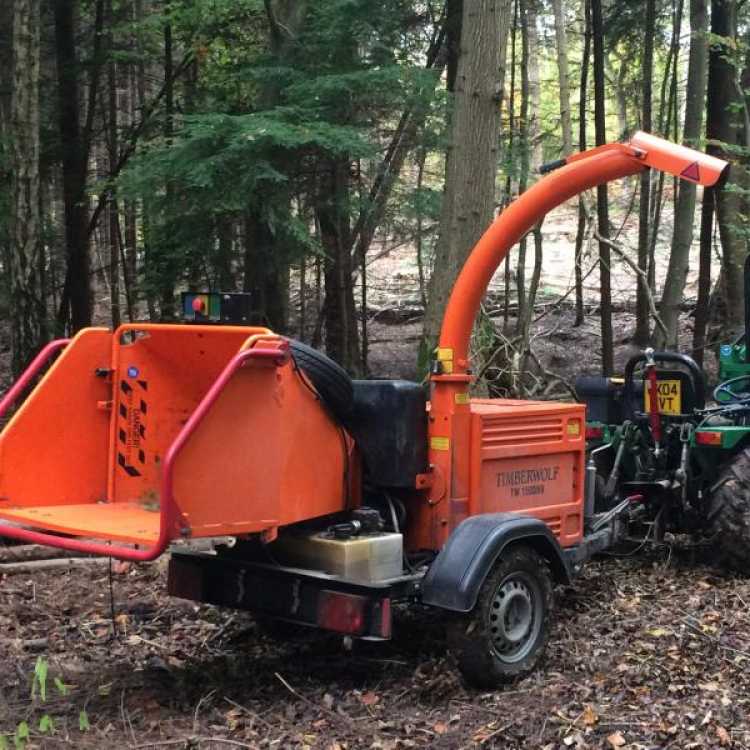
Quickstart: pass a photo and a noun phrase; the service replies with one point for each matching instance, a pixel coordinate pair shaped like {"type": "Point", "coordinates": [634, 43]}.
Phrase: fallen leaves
{"type": "Point", "coordinates": [627, 669]}
{"type": "Point", "coordinates": [616, 740]}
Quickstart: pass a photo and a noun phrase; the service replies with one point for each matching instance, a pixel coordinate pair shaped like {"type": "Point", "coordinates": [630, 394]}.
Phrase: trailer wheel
{"type": "Point", "coordinates": [331, 381]}
{"type": "Point", "coordinates": [504, 636]}
{"type": "Point", "coordinates": [729, 514]}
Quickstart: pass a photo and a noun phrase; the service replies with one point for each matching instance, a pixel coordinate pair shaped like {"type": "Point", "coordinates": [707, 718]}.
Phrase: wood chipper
{"type": "Point", "coordinates": [325, 500]}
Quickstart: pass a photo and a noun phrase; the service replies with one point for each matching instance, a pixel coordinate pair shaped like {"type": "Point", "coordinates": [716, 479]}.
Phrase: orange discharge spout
{"type": "Point", "coordinates": [580, 172]}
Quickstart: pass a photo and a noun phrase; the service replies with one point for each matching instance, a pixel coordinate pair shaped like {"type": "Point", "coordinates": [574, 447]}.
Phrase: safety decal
{"type": "Point", "coordinates": [691, 172]}
{"type": "Point", "coordinates": [131, 430]}
{"type": "Point", "coordinates": [440, 443]}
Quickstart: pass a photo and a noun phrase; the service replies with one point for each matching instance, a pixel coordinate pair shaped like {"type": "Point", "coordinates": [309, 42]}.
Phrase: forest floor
{"type": "Point", "coordinates": [650, 651]}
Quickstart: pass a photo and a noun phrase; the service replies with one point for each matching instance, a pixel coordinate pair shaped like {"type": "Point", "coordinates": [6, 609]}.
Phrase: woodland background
{"type": "Point", "coordinates": [289, 148]}
{"type": "Point", "coordinates": [338, 159]}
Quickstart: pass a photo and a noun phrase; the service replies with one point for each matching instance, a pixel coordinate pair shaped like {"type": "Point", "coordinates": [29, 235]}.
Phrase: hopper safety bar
{"type": "Point", "coordinates": [168, 529]}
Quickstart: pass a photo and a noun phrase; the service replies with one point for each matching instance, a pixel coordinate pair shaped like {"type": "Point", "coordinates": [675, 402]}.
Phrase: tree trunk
{"type": "Point", "coordinates": [642, 311]}
{"type": "Point", "coordinates": [602, 203]}
{"type": "Point", "coordinates": [561, 45]}
{"type": "Point", "coordinates": [266, 276]}
{"type": "Point", "coordinates": [167, 277]}
{"type": "Point", "coordinates": [682, 237]}
{"type": "Point", "coordinates": [582, 145]}
{"type": "Point", "coordinates": [113, 149]}
{"type": "Point", "coordinates": [704, 276]}
{"type": "Point", "coordinates": [77, 292]}
{"type": "Point", "coordinates": [340, 316]}
{"type": "Point", "coordinates": [28, 308]}
{"type": "Point", "coordinates": [530, 144]}
{"type": "Point", "coordinates": [723, 131]}
{"type": "Point", "coordinates": [471, 163]}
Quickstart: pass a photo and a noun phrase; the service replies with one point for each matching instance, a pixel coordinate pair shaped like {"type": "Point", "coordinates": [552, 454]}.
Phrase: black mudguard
{"type": "Point", "coordinates": [458, 572]}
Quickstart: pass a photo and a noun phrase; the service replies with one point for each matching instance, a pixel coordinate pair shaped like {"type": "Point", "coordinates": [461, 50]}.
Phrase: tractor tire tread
{"type": "Point", "coordinates": [729, 514]}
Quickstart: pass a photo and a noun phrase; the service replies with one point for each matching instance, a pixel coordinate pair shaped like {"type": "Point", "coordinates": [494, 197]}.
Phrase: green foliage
{"type": "Point", "coordinates": [265, 118]}
{"type": "Point", "coordinates": [44, 723]}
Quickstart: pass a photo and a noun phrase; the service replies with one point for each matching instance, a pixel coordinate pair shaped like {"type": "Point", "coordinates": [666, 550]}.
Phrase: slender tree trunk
{"type": "Point", "coordinates": [506, 197]}
{"type": "Point", "coordinates": [265, 274]}
{"type": "Point", "coordinates": [113, 154]}
{"type": "Point", "coordinates": [530, 144]}
{"type": "Point", "coordinates": [642, 315]}
{"type": "Point", "coordinates": [28, 309]}
{"type": "Point", "coordinates": [471, 163]}
{"type": "Point", "coordinates": [77, 292]}
{"type": "Point", "coordinates": [582, 145]}
{"type": "Point", "coordinates": [524, 138]}
{"type": "Point", "coordinates": [704, 276]}
{"type": "Point", "coordinates": [668, 128]}
{"type": "Point", "coordinates": [167, 275]}
{"type": "Point", "coordinates": [602, 203]}
{"type": "Point", "coordinates": [722, 121]}
{"type": "Point", "coordinates": [682, 237]}
{"type": "Point", "coordinates": [332, 207]}
{"type": "Point", "coordinates": [561, 45]}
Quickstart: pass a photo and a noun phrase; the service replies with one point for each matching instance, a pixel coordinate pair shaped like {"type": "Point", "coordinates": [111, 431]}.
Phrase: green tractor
{"type": "Point", "coordinates": [665, 459]}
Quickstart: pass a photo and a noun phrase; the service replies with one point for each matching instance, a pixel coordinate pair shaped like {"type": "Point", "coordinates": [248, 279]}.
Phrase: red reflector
{"type": "Point", "coordinates": [342, 613]}
{"type": "Point", "coordinates": [593, 432]}
{"type": "Point", "coordinates": [707, 438]}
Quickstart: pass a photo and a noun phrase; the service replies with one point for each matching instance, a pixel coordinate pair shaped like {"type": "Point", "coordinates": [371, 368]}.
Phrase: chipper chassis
{"type": "Point", "coordinates": [280, 486]}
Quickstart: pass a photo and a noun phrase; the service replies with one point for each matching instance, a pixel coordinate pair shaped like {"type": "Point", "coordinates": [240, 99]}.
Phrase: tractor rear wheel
{"type": "Point", "coordinates": [504, 636]}
{"type": "Point", "coordinates": [729, 513]}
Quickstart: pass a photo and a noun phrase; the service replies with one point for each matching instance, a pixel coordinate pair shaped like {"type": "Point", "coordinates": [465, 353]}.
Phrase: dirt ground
{"type": "Point", "coordinates": [646, 652]}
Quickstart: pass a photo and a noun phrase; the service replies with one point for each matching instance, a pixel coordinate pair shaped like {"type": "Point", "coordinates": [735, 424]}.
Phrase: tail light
{"type": "Point", "coordinates": [593, 432]}
{"type": "Point", "coordinates": [342, 613]}
{"type": "Point", "coordinates": [708, 437]}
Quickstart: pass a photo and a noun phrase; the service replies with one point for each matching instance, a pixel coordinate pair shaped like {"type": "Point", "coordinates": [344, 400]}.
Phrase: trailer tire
{"type": "Point", "coordinates": [330, 380]}
{"type": "Point", "coordinates": [503, 638]}
{"type": "Point", "coordinates": [729, 514]}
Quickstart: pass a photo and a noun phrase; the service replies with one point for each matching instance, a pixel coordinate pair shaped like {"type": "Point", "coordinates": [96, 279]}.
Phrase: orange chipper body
{"type": "Point", "coordinates": [154, 433]}
{"type": "Point", "coordinates": [480, 449]}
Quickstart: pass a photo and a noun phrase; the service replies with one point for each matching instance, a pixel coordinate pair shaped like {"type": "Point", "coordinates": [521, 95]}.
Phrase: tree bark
{"type": "Point", "coordinates": [723, 132]}
{"type": "Point", "coordinates": [471, 163]}
{"type": "Point", "coordinates": [28, 308]}
{"type": "Point", "coordinates": [340, 316]}
{"type": "Point", "coordinates": [113, 150]}
{"type": "Point", "coordinates": [682, 237]}
{"type": "Point", "coordinates": [602, 203]}
{"type": "Point", "coordinates": [561, 46]}
{"type": "Point", "coordinates": [582, 145]}
{"type": "Point", "coordinates": [77, 292]}
{"type": "Point", "coordinates": [642, 332]}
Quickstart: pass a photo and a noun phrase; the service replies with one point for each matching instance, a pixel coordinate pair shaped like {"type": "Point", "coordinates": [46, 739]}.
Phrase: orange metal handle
{"type": "Point", "coordinates": [168, 510]}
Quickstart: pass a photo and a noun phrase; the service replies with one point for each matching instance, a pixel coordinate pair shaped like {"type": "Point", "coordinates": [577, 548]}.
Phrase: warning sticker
{"type": "Point", "coordinates": [692, 172]}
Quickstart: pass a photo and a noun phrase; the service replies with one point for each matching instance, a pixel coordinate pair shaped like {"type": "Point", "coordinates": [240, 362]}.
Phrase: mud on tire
{"type": "Point", "coordinates": [503, 638]}
{"type": "Point", "coordinates": [729, 514]}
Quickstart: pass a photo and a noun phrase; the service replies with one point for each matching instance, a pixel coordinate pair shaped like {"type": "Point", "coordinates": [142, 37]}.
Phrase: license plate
{"type": "Point", "coordinates": [670, 397]}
